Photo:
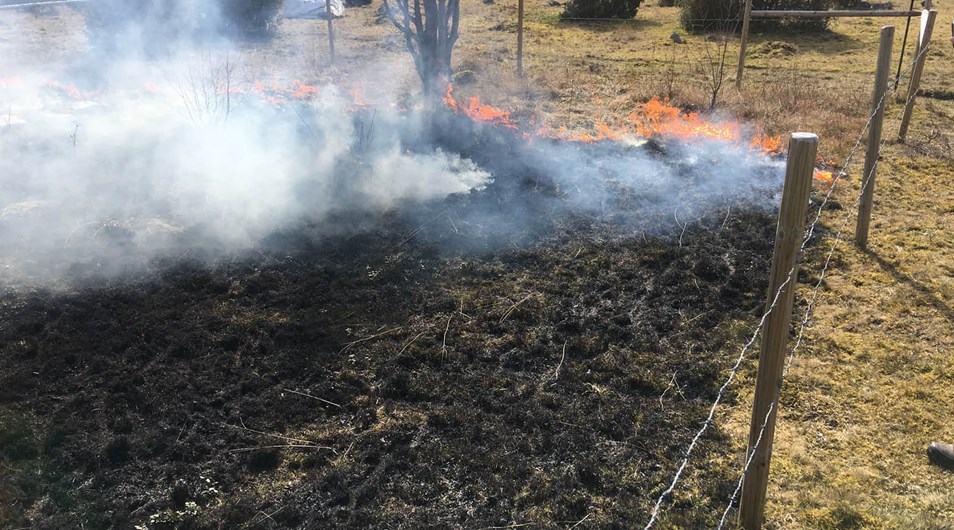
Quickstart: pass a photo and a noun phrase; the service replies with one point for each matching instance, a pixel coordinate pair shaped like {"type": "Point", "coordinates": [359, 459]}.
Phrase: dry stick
{"type": "Point", "coordinates": [406, 346]}
{"type": "Point", "coordinates": [878, 103]}
{"type": "Point", "coordinates": [273, 435]}
{"type": "Point", "coordinates": [675, 215]}
{"type": "Point", "coordinates": [514, 307]}
{"type": "Point", "coordinates": [444, 343]}
{"type": "Point", "coordinates": [924, 40]}
{"type": "Point", "coordinates": [578, 523]}
{"type": "Point", "coordinates": [281, 446]}
{"type": "Point", "coordinates": [359, 341]}
{"type": "Point", "coordinates": [312, 397]}
{"type": "Point", "coordinates": [556, 373]}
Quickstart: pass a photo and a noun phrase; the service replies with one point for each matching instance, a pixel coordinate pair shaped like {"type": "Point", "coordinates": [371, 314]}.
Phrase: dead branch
{"type": "Point", "coordinates": [313, 397]}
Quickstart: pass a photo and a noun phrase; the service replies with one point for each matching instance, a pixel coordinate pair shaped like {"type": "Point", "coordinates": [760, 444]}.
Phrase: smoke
{"type": "Point", "coordinates": [108, 160]}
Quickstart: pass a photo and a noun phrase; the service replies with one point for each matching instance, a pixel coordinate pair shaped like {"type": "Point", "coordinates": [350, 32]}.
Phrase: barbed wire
{"type": "Point", "coordinates": [867, 180]}
{"type": "Point", "coordinates": [734, 370]}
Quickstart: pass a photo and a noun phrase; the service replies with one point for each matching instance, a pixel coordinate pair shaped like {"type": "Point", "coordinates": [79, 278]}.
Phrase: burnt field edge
{"type": "Point", "coordinates": [539, 382]}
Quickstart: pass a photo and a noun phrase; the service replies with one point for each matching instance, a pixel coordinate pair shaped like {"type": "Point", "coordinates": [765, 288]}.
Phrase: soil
{"type": "Point", "coordinates": [450, 372]}
{"type": "Point", "coordinates": [489, 360]}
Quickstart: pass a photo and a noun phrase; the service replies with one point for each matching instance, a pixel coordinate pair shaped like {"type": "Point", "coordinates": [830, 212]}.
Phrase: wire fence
{"type": "Point", "coordinates": [809, 233]}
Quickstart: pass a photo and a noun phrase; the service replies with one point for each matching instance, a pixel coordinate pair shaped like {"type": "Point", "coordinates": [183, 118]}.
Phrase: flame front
{"type": "Point", "coordinates": [477, 111]}
{"type": "Point", "coordinates": [655, 118]}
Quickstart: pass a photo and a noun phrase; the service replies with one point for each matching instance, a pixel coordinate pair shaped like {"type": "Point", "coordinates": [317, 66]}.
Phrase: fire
{"type": "Point", "coordinates": [477, 111]}
{"type": "Point", "coordinates": [302, 91]}
{"type": "Point", "coordinates": [823, 176]}
{"type": "Point", "coordinates": [658, 117]}
{"type": "Point", "coordinates": [770, 145]}
{"type": "Point", "coordinates": [67, 88]}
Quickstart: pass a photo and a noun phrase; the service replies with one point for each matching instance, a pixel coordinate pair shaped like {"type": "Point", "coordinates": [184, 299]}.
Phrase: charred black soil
{"type": "Point", "coordinates": [431, 389]}
{"type": "Point", "coordinates": [402, 376]}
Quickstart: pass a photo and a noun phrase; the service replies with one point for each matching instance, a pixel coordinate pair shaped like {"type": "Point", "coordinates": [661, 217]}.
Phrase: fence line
{"type": "Point", "coordinates": [817, 288]}
{"type": "Point", "coordinates": [734, 370]}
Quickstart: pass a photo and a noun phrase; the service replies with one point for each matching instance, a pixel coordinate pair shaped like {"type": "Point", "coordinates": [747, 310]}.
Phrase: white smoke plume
{"type": "Point", "coordinates": [116, 155]}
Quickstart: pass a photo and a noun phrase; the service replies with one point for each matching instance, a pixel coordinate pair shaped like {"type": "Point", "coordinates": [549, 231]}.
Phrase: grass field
{"type": "Point", "coordinates": [872, 385]}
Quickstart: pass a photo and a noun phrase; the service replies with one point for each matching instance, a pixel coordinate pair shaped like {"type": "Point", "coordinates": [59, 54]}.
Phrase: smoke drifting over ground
{"type": "Point", "coordinates": [130, 157]}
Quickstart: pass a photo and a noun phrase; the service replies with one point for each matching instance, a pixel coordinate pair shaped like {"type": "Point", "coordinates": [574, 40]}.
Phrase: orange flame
{"type": "Point", "coordinates": [658, 117]}
{"type": "Point", "coordinates": [822, 175]}
{"type": "Point", "coordinates": [68, 88]}
{"type": "Point", "coordinates": [477, 111]}
{"type": "Point", "coordinates": [770, 145]}
{"type": "Point", "coordinates": [303, 91]}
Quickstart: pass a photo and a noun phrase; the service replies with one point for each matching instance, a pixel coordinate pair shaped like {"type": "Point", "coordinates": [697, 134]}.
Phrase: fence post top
{"type": "Point", "coordinates": [804, 137]}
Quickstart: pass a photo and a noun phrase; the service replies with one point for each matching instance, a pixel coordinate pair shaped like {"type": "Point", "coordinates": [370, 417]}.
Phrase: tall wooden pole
{"type": "Point", "coordinates": [879, 100]}
{"type": "Point", "coordinates": [331, 31]}
{"type": "Point", "coordinates": [904, 46]}
{"type": "Point", "coordinates": [802, 149]}
{"type": "Point", "coordinates": [746, 16]}
{"type": "Point", "coordinates": [924, 39]}
{"type": "Point", "coordinates": [520, 38]}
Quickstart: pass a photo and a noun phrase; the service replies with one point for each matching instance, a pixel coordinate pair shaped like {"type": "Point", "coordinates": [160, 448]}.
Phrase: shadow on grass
{"type": "Point", "coordinates": [924, 293]}
{"type": "Point", "coordinates": [597, 25]}
{"type": "Point", "coordinates": [822, 42]}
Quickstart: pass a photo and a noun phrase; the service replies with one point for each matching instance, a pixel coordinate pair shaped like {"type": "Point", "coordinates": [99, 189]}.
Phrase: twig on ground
{"type": "Point", "coordinates": [282, 446]}
{"type": "Point", "coordinates": [412, 341]}
{"type": "Point", "coordinates": [675, 214]}
{"type": "Point", "coordinates": [578, 523]}
{"type": "Point", "coordinates": [312, 397]}
{"type": "Point", "coordinates": [273, 435]}
{"type": "Point", "coordinates": [556, 373]}
{"type": "Point", "coordinates": [359, 341]}
{"type": "Point", "coordinates": [255, 520]}
{"type": "Point", "coordinates": [728, 212]}
{"type": "Point", "coordinates": [514, 307]}
{"type": "Point", "coordinates": [444, 343]}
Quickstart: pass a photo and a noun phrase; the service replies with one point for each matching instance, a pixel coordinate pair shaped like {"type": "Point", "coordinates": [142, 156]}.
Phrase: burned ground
{"type": "Point", "coordinates": [398, 377]}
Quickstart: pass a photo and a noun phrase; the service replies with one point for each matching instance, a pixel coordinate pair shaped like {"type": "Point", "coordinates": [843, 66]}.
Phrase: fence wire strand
{"type": "Point", "coordinates": [804, 322]}
{"type": "Point", "coordinates": [817, 288]}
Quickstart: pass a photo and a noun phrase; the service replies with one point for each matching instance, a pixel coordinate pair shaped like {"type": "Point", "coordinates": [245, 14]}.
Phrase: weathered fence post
{"type": "Point", "coordinates": [520, 38]}
{"type": "Point", "coordinates": [746, 16]}
{"type": "Point", "coordinates": [879, 100]}
{"type": "Point", "coordinates": [924, 39]}
{"type": "Point", "coordinates": [802, 149]}
{"type": "Point", "coordinates": [331, 31]}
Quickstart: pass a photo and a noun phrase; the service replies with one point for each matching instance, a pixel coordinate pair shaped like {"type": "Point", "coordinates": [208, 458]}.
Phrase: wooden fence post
{"type": "Point", "coordinates": [802, 149]}
{"type": "Point", "coordinates": [879, 100]}
{"type": "Point", "coordinates": [746, 15]}
{"type": "Point", "coordinates": [331, 31]}
{"type": "Point", "coordinates": [924, 39]}
{"type": "Point", "coordinates": [520, 38]}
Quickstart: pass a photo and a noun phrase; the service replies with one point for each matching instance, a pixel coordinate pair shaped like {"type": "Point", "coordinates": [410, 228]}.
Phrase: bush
{"type": "Point", "coordinates": [158, 25]}
{"type": "Point", "coordinates": [621, 9]}
{"type": "Point", "coordinates": [726, 15]}
{"type": "Point", "coordinates": [250, 16]}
